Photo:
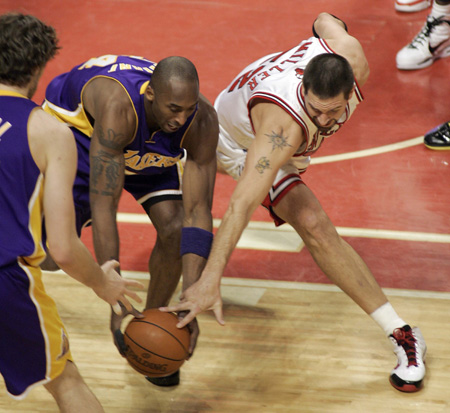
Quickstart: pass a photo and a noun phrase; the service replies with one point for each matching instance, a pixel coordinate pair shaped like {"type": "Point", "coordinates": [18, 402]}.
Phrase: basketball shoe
{"type": "Point", "coordinates": [410, 348]}
{"type": "Point", "coordinates": [410, 6]}
{"type": "Point", "coordinates": [168, 381]}
{"type": "Point", "coordinates": [438, 138]}
{"type": "Point", "coordinates": [431, 43]}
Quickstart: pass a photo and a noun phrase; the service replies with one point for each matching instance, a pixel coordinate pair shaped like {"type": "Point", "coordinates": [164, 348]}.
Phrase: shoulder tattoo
{"type": "Point", "coordinates": [111, 139]}
{"type": "Point", "coordinates": [277, 140]}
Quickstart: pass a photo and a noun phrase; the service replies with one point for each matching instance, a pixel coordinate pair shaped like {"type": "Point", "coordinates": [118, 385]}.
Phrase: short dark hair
{"type": "Point", "coordinates": [173, 66]}
{"type": "Point", "coordinates": [328, 75]}
{"type": "Point", "coordinates": [26, 45]}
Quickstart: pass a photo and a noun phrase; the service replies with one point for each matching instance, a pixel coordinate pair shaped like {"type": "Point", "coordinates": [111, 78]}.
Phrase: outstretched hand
{"type": "Point", "coordinates": [201, 296]}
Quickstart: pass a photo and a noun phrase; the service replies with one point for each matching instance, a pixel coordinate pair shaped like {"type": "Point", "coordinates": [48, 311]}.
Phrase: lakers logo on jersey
{"type": "Point", "coordinates": [136, 162]}
{"type": "Point", "coordinates": [64, 345]}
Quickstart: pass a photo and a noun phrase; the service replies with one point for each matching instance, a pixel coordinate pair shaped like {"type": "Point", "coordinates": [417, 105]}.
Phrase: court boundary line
{"type": "Point", "coordinates": [367, 152]}
{"type": "Point", "coordinates": [303, 286]}
{"type": "Point", "coordinates": [136, 218]}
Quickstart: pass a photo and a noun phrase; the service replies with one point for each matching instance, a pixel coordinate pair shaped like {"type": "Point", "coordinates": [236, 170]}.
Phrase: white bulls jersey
{"type": "Point", "coordinates": [276, 78]}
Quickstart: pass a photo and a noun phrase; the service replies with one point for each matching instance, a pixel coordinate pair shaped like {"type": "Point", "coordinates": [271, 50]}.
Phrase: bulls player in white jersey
{"type": "Point", "coordinates": [272, 117]}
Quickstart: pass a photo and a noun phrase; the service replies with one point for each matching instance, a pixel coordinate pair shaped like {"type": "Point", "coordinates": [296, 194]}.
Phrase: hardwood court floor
{"type": "Point", "coordinates": [286, 347]}
{"type": "Point", "coordinates": [289, 345]}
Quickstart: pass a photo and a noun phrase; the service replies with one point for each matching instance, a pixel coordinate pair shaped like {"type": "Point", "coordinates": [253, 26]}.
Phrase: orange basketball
{"type": "Point", "coordinates": [155, 346]}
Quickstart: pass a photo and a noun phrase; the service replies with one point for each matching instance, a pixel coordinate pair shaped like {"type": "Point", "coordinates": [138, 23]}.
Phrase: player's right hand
{"type": "Point", "coordinates": [200, 296]}
{"type": "Point", "coordinates": [114, 289]}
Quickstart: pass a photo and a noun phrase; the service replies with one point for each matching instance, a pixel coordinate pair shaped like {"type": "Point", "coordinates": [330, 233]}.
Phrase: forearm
{"type": "Point", "coordinates": [193, 266]}
{"type": "Point", "coordinates": [196, 243]}
{"type": "Point", "coordinates": [197, 224]}
{"type": "Point", "coordinates": [74, 258]}
{"type": "Point", "coordinates": [199, 216]}
{"type": "Point", "coordinates": [105, 237]}
{"type": "Point", "coordinates": [226, 239]}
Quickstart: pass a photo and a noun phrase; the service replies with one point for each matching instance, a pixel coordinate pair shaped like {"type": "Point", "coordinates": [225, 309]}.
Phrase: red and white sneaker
{"type": "Point", "coordinates": [410, 6]}
{"type": "Point", "coordinates": [410, 348]}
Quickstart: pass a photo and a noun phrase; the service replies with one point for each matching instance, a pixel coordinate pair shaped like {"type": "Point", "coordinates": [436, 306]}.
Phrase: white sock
{"type": "Point", "coordinates": [386, 317]}
{"type": "Point", "coordinates": [441, 32]}
{"type": "Point", "coordinates": [440, 10]}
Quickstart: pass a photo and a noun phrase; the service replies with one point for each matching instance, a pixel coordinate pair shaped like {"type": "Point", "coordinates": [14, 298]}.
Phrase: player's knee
{"type": "Point", "coordinates": [170, 233]}
{"type": "Point", "coordinates": [69, 378]}
{"type": "Point", "coordinates": [317, 231]}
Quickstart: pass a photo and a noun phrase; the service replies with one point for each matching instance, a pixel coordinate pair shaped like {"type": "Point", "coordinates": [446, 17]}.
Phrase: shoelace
{"type": "Point", "coordinates": [422, 36]}
{"type": "Point", "coordinates": [408, 342]}
{"type": "Point", "coordinates": [446, 130]}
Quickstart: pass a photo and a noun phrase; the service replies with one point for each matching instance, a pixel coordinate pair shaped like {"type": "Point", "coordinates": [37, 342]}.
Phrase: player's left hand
{"type": "Point", "coordinates": [116, 321]}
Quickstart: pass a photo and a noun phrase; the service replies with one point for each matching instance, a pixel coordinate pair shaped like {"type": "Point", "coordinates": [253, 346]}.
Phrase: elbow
{"type": "Point", "coordinates": [61, 252]}
{"type": "Point", "coordinates": [365, 72]}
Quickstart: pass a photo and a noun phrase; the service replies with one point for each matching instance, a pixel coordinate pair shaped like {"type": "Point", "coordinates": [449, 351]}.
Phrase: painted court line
{"type": "Point", "coordinates": [265, 236]}
{"type": "Point", "coordinates": [231, 286]}
{"type": "Point", "coordinates": [367, 152]}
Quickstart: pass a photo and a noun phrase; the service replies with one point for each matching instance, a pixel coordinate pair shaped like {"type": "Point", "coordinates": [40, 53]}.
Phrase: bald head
{"type": "Point", "coordinates": [171, 68]}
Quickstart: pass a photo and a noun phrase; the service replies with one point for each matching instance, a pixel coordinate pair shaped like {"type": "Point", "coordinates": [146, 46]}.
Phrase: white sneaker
{"type": "Point", "coordinates": [410, 6]}
{"type": "Point", "coordinates": [426, 47]}
{"type": "Point", "coordinates": [410, 348]}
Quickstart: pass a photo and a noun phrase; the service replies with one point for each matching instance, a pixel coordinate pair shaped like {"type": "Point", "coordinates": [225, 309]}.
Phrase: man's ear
{"type": "Point", "coordinates": [350, 95]}
{"type": "Point", "coordinates": [149, 93]}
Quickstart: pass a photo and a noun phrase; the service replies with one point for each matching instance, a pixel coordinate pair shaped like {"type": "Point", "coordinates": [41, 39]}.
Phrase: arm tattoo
{"type": "Point", "coordinates": [278, 140]}
{"type": "Point", "coordinates": [262, 165]}
{"type": "Point", "coordinates": [104, 163]}
{"type": "Point", "coordinates": [111, 140]}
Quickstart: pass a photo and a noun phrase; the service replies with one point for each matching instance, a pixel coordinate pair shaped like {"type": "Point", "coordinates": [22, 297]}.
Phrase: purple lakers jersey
{"type": "Point", "coordinates": [149, 152]}
{"type": "Point", "coordinates": [21, 185]}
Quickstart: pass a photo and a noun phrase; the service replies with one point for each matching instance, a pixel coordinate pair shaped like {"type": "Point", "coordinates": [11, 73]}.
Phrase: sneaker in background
{"type": "Point", "coordinates": [438, 138]}
{"type": "Point", "coordinates": [431, 43]}
{"type": "Point", "coordinates": [410, 6]}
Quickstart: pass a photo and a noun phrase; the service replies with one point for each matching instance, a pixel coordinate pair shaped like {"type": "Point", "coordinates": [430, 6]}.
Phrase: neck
{"type": "Point", "coordinates": [151, 124]}
{"type": "Point", "coordinates": [21, 90]}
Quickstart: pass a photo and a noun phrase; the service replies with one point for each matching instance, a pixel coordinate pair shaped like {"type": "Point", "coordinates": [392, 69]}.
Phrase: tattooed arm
{"type": "Point", "coordinates": [114, 127]}
{"type": "Point", "coordinates": [277, 137]}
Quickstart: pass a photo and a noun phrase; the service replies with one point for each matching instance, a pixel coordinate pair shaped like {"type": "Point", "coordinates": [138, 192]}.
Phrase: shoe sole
{"type": "Point", "coordinates": [411, 8]}
{"type": "Point", "coordinates": [438, 148]}
{"type": "Point", "coordinates": [166, 381]}
{"type": "Point", "coordinates": [423, 65]}
{"type": "Point", "coordinates": [405, 386]}
{"type": "Point", "coordinates": [442, 54]}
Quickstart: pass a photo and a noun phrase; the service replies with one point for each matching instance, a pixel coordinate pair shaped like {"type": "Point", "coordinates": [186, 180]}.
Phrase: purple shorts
{"type": "Point", "coordinates": [34, 345]}
{"type": "Point", "coordinates": [159, 185]}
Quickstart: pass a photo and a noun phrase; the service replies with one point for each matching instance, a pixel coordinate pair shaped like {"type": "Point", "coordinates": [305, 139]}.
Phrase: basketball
{"type": "Point", "coordinates": [155, 346]}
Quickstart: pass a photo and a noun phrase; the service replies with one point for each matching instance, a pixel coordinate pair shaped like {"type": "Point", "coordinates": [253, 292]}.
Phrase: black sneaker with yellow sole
{"type": "Point", "coordinates": [438, 138]}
